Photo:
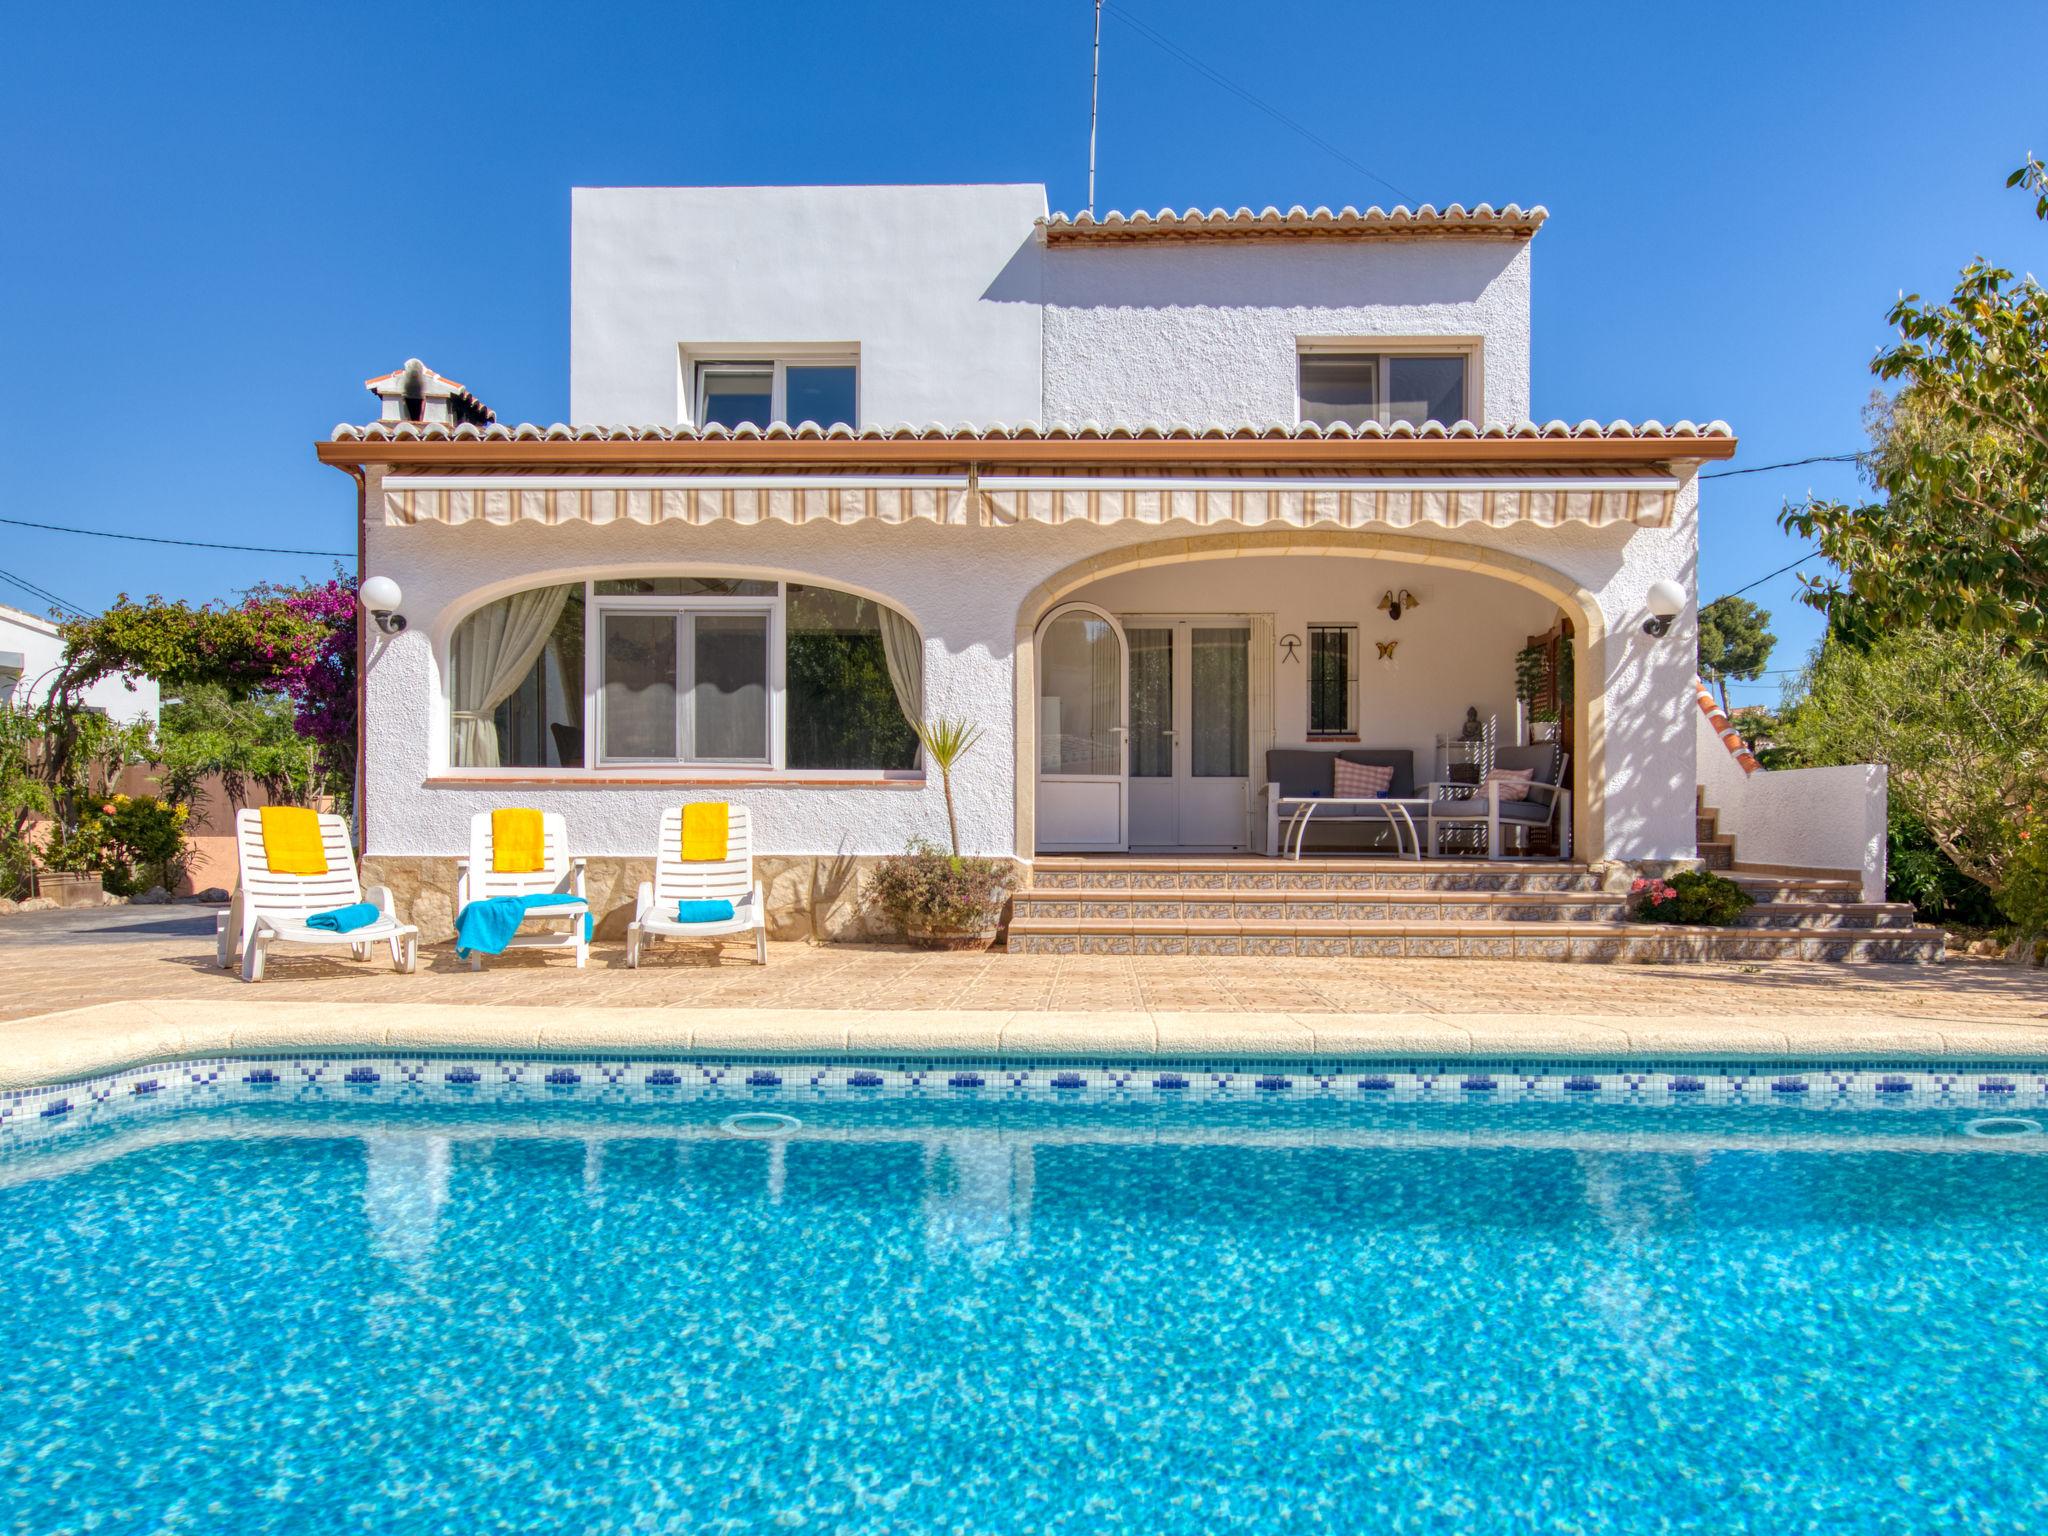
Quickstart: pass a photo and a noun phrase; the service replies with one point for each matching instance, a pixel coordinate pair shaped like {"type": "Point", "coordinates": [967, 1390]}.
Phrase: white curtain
{"type": "Point", "coordinates": [1263, 728]}
{"type": "Point", "coordinates": [493, 651]}
{"type": "Point", "coordinates": [903, 649]}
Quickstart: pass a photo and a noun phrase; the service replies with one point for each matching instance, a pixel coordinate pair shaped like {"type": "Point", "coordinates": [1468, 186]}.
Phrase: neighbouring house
{"type": "Point", "coordinates": [32, 652]}
{"type": "Point", "coordinates": [1166, 504]}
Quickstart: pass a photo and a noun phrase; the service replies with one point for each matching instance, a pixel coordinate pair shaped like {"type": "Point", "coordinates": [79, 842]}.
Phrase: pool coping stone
{"type": "Point", "coordinates": [84, 1042]}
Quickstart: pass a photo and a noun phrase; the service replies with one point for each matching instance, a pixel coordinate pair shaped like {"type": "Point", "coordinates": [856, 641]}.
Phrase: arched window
{"type": "Point", "coordinates": [685, 670]}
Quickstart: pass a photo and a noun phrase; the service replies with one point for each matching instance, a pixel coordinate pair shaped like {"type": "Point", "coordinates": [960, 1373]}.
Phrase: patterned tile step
{"type": "Point", "coordinates": [1814, 916]}
{"type": "Point", "coordinates": [1321, 905]}
{"type": "Point", "coordinates": [1595, 942]}
{"type": "Point", "coordinates": [1308, 875]}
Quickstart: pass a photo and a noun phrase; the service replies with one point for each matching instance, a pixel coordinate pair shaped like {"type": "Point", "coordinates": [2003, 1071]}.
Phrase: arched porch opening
{"type": "Point", "coordinates": [1195, 616]}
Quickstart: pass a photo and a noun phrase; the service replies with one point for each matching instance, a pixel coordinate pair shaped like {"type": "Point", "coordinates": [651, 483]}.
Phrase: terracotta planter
{"type": "Point", "coordinates": [70, 887]}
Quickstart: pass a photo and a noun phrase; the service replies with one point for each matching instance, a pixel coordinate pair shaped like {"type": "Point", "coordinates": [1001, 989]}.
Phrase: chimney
{"type": "Point", "coordinates": [417, 393]}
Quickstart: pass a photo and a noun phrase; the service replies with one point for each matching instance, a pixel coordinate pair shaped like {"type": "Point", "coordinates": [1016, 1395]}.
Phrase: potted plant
{"type": "Point", "coordinates": [942, 900]}
{"type": "Point", "coordinates": [68, 867]}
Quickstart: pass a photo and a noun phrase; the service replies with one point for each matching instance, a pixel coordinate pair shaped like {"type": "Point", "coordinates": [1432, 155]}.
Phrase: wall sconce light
{"type": "Point", "coordinates": [1393, 604]}
{"type": "Point", "coordinates": [380, 597]}
{"type": "Point", "coordinates": [1665, 600]}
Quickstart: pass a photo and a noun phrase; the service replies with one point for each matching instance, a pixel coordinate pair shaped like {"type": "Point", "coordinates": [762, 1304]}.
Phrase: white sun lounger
{"type": "Point", "coordinates": [732, 878]}
{"type": "Point", "coordinates": [558, 874]}
{"type": "Point", "coordinates": [271, 908]}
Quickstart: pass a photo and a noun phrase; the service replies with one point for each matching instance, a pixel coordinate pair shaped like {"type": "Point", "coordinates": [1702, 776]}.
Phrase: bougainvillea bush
{"type": "Point", "coordinates": [295, 642]}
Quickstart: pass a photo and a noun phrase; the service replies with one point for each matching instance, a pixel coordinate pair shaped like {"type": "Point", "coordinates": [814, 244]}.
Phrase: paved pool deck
{"type": "Point", "coordinates": [92, 991]}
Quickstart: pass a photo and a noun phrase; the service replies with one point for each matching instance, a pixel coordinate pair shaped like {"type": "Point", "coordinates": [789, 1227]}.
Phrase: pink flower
{"type": "Point", "coordinates": [1638, 883]}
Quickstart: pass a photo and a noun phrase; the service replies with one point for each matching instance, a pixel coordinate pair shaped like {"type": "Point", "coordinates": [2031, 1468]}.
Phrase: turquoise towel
{"type": "Point", "coordinates": [719, 911]}
{"type": "Point", "coordinates": [489, 925]}
{"type": "Point", "coordinates": [345, 919]}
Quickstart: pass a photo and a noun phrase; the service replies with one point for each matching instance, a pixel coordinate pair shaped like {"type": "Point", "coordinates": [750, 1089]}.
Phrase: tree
{"type": "Point", "coordinates": [1961, 724]}
{"type": "Point", "coordinates": [1735, 641]}
{"type": "Point", "coordinates": [297, 642]}
{"type": "Point", "coordinates": [205, 731]}
{"type": "Point", "coordinates": [1958, 538]}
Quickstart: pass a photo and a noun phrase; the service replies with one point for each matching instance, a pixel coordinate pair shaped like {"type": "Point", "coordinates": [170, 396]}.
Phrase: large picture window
{"type": "Point", "coordinates": [669, 670]}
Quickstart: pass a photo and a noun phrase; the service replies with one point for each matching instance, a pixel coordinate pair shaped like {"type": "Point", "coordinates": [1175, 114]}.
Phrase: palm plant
{"type": "Point", "coordinates": [947, 739]}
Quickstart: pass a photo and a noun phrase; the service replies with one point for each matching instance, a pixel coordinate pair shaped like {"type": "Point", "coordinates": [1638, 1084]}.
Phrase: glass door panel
{"type": "Point", "coordinates": [640, 687]}
{"type": "Point", "coordinates": [729, 687]}
{"type": "Point", "coordinates": [1080, 697]}
{"type": "Point", "coordinates": [1083, 793]}
{"type": "Point", "coordinates": [1220, 703]}
{"type": "Point", "coordinates": [1151, 702]}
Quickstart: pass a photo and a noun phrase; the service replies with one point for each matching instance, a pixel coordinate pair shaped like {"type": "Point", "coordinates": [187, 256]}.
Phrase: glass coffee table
{"type": "Point", "coordinates": [1400, 814]}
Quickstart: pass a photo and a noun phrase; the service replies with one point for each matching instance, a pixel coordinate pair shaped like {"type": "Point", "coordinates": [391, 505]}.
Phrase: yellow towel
{"type": "Point", "coordinates": [704, 831]}
{"type": "Point", "coordinates": [517, 844]}
{"type": "Point", "coordinates": [291, 840]}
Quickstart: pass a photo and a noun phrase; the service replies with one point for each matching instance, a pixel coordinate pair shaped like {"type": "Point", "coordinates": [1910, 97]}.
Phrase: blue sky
{"type": "Point", "coordinates": [222, 219]}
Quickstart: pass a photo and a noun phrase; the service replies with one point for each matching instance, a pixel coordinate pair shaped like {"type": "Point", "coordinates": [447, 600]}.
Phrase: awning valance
{"type": "Point", "coordinates": [695, 499]}
{"type": "Point", "coordinates": [1386, 501]}
{"type": "Point", "coordinates": [1352, 502]}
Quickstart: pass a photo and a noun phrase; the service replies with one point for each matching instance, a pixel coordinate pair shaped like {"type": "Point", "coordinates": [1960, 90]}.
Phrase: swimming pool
{"type": "Point", "coordinates": [372, 1295]}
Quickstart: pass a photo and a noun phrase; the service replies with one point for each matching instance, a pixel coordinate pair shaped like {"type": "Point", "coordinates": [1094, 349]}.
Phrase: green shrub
{"type": "Point", "coordinates": [936, 896]}
{"type": "Point", "coordinates": [134, 841]}
{"type": "Point", "coordinates": [1697, 898]}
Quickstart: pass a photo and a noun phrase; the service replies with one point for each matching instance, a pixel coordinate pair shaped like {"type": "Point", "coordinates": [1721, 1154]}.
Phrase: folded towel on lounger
{"type": "Point", "coordinates": [292, 844]}
{"type": "Point", "coordinates": [345, 919]}
{"type": "Point", "coordinates": [719, 911]}
{"type": "Point", "coordinates": [488, 925]}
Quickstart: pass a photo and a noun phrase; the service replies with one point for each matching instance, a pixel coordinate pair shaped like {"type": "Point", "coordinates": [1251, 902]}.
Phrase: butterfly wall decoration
{"type": "Point", "coordinates": [1386, 648]}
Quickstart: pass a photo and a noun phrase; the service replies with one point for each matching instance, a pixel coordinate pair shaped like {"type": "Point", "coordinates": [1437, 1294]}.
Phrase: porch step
{"type": "Point", "coordinates": [1821, 916]}
{"type": "Point", "coordinates": [1717, 853]}
{"type": "Point", "coordinates": [1192, 905]}
{"type": "Point", "coordinates": [1434, 908]}
{"type": "Point", "coordinates": [1564, 941]}
{"type": "Point", "coordinates": [1256, 873]}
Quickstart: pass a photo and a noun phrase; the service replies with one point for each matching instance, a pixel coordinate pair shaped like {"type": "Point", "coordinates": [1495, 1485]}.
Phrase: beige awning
{"type": "Point", "coordinates": [1348, 502]}
{"type": "Point", "coordinates": [696, 499]}
{"type": "Point", "coordinates": [1387, 501]}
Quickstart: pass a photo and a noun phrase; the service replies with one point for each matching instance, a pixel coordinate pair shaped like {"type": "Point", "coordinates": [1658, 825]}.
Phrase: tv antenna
{"type": "Point", "coordinates": [1094, 104]}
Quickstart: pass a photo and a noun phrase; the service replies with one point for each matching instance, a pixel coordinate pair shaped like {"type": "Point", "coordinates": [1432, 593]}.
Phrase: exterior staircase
{"type": "Point", "coordinates": [1436, 908]}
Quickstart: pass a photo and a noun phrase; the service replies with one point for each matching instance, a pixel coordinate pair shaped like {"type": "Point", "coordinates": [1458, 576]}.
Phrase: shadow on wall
{"type": "Point", "coordinates": [1652, 771]}
{"type": "Point", "coordinates": [1324, 275]}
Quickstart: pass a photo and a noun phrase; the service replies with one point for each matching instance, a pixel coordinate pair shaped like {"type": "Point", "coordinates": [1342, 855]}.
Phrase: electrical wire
{"type": "Point", "coordinates": [1174, 50]}
{"type": "Point", "coordinates": [43, 592]}
{"type": "Point", "coordinates": [1758, 469]}
{"type": "Point", "coordinates": [144, 538]}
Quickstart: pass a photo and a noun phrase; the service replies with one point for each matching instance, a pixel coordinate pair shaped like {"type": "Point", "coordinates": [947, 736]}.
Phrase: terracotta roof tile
{"type": "Point", "coordinates": [1087, 431]}
{"type": "Point", "coordinates": [1482, 219]}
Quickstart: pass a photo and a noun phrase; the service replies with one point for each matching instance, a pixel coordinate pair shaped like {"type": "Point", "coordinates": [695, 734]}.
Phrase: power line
{"type": "Point", "coordinates": [1166, 45]}
{"type": "Point", "coordinates": [1758, 469]}
{"type": "Point", "coordinates": [144, 538]}
{"type": "Point", "coordinates": [43, 592]}
{"type": "Point", "coordinates": [1812, 554]}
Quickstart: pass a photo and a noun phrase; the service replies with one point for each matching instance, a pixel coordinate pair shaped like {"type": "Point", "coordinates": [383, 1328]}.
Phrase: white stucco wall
{"type": "Point", "coordinates": [960, 314]}
{"type": "Point", "coordinates": [41, 649]}
{"type": "Point", "coordinates": [937, 286]}
{"type": "Point", "coordinates": [964, 586]}
{"type": "Point", "coordinates": [1209, 332]}
{"type": "Point", "coordinates": [1808, 818]}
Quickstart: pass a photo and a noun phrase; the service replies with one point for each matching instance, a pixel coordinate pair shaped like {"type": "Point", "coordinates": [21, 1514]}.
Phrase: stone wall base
{"type": "Point", "coordinates": [815, 897]}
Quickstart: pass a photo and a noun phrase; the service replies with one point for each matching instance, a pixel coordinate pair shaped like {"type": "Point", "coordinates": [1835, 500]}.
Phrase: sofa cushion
{"type": "Point", "coordinates": [1301, 771]}
{"type": "Point", "coordinates": [1359, 781]}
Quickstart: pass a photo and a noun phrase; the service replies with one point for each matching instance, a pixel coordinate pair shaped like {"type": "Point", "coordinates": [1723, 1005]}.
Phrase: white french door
{"type": "Point", "coordinates": [1082, 728]}
{"type": "Point", "coordinates": [1190, 731]}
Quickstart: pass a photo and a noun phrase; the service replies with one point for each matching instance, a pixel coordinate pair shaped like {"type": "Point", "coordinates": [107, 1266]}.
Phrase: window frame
{"type": "Point", "coordinates": [1353, 703]}
{"type": "Point", "coordinates": [597, 766]}
{"type": "Point", "coordinates": [685, 610]}
{"type": "Point", "coordinates": [695, 363]}
{"type": "Point", "coordinates": [1383, 350]}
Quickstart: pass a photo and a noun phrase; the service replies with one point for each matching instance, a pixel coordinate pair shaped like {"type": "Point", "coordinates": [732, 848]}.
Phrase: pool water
{"type": "Point", "coordinates": [954, 1313]}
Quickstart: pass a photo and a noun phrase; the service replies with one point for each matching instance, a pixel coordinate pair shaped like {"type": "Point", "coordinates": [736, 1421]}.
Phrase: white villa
{"type": "Point", "coordinates": [32, 654]}
{"type": "Point", "coordinates": [1177, 508]}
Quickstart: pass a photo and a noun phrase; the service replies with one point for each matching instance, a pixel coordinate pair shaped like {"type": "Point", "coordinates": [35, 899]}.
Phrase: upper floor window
{"type": "Point", "coordinates": [754, 392]}
{"type": "Point", "coordinates": [1353, 386]}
